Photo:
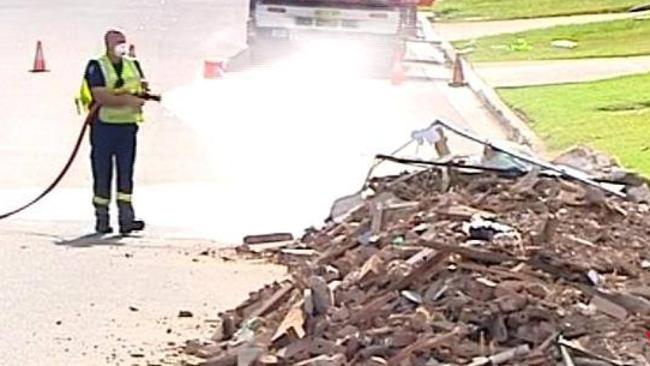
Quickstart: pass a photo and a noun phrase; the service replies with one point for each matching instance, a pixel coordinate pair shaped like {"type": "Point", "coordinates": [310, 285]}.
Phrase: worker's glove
{"type": "Point", "coordinates": [133, 101]}
{"type": "Point", "coordinates": [428, 135]}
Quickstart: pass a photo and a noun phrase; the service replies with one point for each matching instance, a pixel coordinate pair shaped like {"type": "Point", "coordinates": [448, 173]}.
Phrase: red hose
{"type": "Point", "coordinates": [92, 114]}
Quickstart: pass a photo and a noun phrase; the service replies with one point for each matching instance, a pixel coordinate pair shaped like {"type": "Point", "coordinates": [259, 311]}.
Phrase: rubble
{"type": "Point", "coordinates": [185, 314]}
{"type": "Point", "coordinates": [587, 160]}
{"type": "Point", "coordinates": [595, 163]}
{"type": "Point", "coordinates": [546, 272]}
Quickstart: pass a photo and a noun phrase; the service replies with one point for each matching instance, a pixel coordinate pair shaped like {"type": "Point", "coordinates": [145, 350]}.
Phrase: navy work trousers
{"type": "Point", "coordinates": [111, 142]}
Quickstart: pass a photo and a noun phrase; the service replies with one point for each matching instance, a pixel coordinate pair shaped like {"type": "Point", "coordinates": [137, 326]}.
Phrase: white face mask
{"type": "Point", "coordinates": [121, 50]}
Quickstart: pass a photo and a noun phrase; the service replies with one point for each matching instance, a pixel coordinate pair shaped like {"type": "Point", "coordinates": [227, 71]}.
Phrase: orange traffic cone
{"type": "Point", "coordinates": [458, 78]}
{"type": "Point", "coordinates": [213, 69]}
{"type": "Point", "coordinates": [132, 51]}
{"type": "Point", "coordinates": [39, 59]}
{"type": "Point", "coordinates": [398, 74]}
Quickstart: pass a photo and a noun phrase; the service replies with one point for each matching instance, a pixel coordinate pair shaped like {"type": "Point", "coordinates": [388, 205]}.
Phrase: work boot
{"type": "Point", "coordinates": [103, 221]}
{"type": "Point", "coordinates": [127, 227]}
{"type": "Point", "coordinates": [127, 220]}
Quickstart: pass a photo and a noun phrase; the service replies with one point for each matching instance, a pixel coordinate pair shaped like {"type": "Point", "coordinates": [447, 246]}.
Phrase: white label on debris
{"type": "Point", "coordinates": [593, 276]}
{"type": "Point", "coordinates": [563, 43]}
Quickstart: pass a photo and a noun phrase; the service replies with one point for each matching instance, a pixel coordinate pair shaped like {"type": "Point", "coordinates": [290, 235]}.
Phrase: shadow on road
{"type": "Point", "coordinates": [91, 240]}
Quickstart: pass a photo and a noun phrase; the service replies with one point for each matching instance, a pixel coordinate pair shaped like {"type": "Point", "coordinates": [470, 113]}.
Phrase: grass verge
{"type": "Point", "coordinates": [513, 9]}
{"type": "Point", "coordinates": [612, 116]}
{"type": "Point", "coordinates": [627, 37]}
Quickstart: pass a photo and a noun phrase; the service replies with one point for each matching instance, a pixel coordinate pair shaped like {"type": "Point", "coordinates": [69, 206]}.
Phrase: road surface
{"type": "Point", "coordinates": [262, 150]}
{"type": "Point", "coordinates": [526, 73]}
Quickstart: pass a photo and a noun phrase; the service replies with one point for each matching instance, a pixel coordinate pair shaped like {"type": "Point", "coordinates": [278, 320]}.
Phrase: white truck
{"type": "Point", "coordinates": [289, 19]}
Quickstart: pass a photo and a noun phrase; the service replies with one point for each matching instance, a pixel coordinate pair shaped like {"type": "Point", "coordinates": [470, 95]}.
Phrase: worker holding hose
{"type": "Point", "coordinates": [113, 87]}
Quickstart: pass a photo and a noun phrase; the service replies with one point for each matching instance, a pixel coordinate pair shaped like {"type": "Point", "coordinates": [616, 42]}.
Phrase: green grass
{"type": "Point", "coordinates": [512, 9]}
{"type": "Point", "coordinates": [627, 37]}
{"type": "Point", "coordinates": [612, 116]}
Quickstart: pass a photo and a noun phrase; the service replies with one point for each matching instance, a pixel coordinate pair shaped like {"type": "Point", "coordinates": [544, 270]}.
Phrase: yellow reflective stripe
{"type": "Point", "coordinates": [123, 197]}
{"type": "Point", "coordinates": [101, 201]}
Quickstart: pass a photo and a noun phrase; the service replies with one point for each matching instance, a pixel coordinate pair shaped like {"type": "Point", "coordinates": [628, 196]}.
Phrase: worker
{"type": "Point", "coordinates": [114, 81]}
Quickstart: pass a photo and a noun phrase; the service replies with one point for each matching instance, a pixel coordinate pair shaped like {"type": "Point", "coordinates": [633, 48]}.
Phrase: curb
{"type": "Point", "coordinates": [516, 129]}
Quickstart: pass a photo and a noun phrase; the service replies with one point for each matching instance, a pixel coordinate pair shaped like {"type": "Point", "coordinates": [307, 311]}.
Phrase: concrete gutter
{"type": "Point", "coordinates": [517, 130]}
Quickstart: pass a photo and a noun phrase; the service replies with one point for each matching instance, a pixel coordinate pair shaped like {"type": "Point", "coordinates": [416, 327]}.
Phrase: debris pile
{"type": "Point", "coordinates": [443, 267]}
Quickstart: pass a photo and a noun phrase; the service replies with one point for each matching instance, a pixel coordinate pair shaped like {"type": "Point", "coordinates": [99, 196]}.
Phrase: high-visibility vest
{"type": "Point", "coordinates": [132, 84]}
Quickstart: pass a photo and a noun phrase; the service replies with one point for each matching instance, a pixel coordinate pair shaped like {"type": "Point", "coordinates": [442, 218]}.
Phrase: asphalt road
{"type": "Point", "coordinates": [104, 302]}
{"type": "Point", "coordinates": [527, 73]}
{"type": "Point", "coordinates": [264, 149]}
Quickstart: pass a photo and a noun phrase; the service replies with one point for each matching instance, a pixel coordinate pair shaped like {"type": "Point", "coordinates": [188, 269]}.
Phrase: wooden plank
{"type": "Point", "coordinates": [402, 206]}
{"type": "Point", "coordinates": [502, 357]}
{"type": "Point", "coordinates": [463, 212]}
{"type": "Point", "coordinates": [374, 350]}
{"type": "Point", "coordinates": [335, 251]}
{"type": "Point", "coordinates": [299, 252]}
{"type": "Point", "coordinates": [575, 239]}
{"type": "Point", "coordinates": [643, 291]}
{"type": "Point", "coordinates": [267, 238]}
{"type": "Point", "coordinates": [270, 247]}
{"type": "Point", "coordinates": [417, 259]}
{"type": "Point", "coordinates": [273, 301]}
{"type": "Point", "coordinates": [294, 350]}
{"type": "Point", "coordinates": [477, 255]}
{"type": "Point", "coordinates": [498, 272]}
{"type": "Point", "coordinates": [548, 231]}
{"type": "Point", "coordinates": [294, 322]}
{"type": "Point", "coordinates": [377, 215]}
{"type": "Point", "coordinates": [423, 344]}
{"type": "Point", "coordinates": [441, 147]}
{"type": "Point", "coordinates": [632, 303]}
{"type": "Point", "coordinates": [373, 264]}
{"type": "Point", "coordinates": [369, 310]}
{"type": "Point", "coordinates": [427, 267]}
{"type": "Point", "coordinates": [571, 272]}
{"type": "Point", "coordinates": [323, 360]}
{"type": "Point", "coordinates": [610, 308]}
{"type": "Point", "coordinates": [269, 359]}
